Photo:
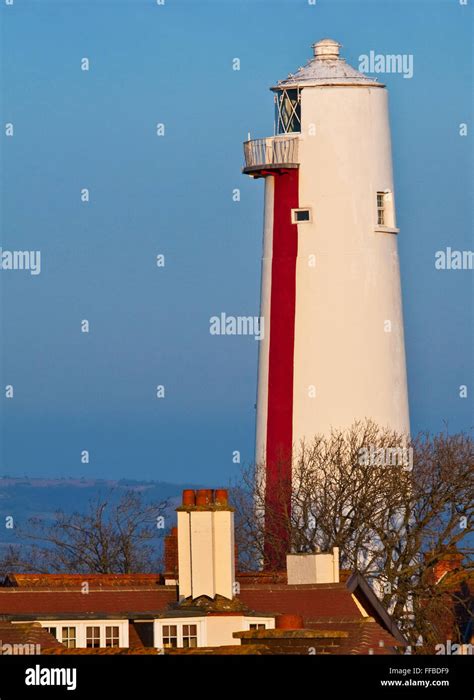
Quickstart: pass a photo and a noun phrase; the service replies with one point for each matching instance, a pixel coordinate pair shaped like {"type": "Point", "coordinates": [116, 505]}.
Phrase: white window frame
{"type": "Point", "coordinates": [189, 636]}
{"type": "Point", "coordinates": [104, 632]}
{"type": "Point", "coordinates": [94, 626]}
{"type": "Point", "coordinates": [71, 637]}
{"type": "Point", "coordinates": [388, 210]}
{"type": "Point", "coordinates": [81, 630]}
{"type": "Point", "coordinates": [294, 212]}
{"type": "Point", "coordinates": [179, 622]}
{"type": "Point", "coordinates": [269, 622]}
{"type": "Point", "coordinates": [381, 210]}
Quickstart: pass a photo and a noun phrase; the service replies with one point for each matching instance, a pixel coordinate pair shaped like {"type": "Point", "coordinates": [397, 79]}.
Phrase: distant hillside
{"type": "Point", "coordinates": [25, 498]}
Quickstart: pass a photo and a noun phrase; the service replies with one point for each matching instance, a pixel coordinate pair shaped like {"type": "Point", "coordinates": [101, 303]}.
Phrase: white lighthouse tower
{"type": "Point", "coordinates": [333, 350]}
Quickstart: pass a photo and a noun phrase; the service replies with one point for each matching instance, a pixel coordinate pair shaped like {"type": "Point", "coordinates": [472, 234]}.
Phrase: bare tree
{"type": "Point", "coordinates": [394, 506]}
{"type": "Point", "coordinates": [113, 536]}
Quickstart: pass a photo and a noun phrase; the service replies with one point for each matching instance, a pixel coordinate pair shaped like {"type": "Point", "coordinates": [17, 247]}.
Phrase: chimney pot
{"type": "Point", "coordinates": [289, 622]}
{"type": "Point", "coordinates": [204, 497]}
{"type": "Point", "coordinates": [189, 497]}
{"type": "Point", "coordinates": [222, 497]}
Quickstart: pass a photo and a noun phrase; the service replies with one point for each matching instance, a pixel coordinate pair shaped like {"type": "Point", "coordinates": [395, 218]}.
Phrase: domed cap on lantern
{"type": "Point", "coordinates": [326, 68]}
{"type": "Point", "coordinates": [326, 49]}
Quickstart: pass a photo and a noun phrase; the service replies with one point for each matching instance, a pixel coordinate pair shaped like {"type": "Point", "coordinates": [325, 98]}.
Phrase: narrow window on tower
{"type": "Point", "coordinates": [288, 111]}
{"type": "Point", "coordinates": [385, 210]}
{"type": "Point", "coordinates": [381, 208]}
{"type": "Point", "coordinates": [300, 216]}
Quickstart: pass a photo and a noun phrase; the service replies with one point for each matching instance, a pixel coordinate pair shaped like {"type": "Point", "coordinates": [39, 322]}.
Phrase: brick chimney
{"type": "Point", "coordinates": [450, 561]}
{"type": "Point", "coordinates": [206, 550]}
{"type": "Point", "coordinates": [171, 557]}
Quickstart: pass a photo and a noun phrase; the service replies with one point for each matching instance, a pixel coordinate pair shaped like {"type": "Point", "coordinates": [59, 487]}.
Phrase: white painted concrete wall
{"type": "Point", "coordinates": [265, 295]}
{"type": "Point", "coordinates": [341, 344]}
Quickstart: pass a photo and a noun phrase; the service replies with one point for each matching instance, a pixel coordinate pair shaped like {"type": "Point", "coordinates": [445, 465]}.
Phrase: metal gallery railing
{"type": "Point", "coordinates": [271, 152]}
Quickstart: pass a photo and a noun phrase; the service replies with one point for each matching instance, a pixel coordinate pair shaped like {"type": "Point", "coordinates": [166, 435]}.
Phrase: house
{"type": "Point", "coordinates": [200, 604]}
{"type": "Point", "coordinates": [451, 607]}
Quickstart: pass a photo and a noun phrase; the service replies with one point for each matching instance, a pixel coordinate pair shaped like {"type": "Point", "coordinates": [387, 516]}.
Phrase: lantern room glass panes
{"type": "Point", "coordinates": [288, 111]}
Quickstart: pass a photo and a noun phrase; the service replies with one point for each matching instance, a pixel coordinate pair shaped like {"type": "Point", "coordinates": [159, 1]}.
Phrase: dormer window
{"type": "Point", "coordinates": [179, 633]}
{"type": "Point", "coordinates": [288, 111]}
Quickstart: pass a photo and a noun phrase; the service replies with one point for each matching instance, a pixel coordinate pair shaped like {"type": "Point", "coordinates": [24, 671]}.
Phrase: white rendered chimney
{"type": "Point", "coordinates": [206, 562]}
{"type": "Point", "coordinates": [313, 568]}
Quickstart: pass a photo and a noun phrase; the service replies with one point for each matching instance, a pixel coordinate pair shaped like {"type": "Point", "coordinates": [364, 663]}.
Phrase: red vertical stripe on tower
{"type": "Point", "coordinates": [280, 373]}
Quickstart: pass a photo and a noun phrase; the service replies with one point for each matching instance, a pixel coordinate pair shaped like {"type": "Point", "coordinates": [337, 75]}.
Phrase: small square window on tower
{"type": "Point", "coordinates": [300, 216]}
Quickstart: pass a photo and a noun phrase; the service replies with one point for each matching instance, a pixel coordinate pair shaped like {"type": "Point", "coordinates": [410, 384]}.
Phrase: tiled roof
{"type": "Point", "coordinates": [50, 603]}
{"type": "Point", "coordinates": [151, 651]}
{"type": "Point", "coordinates": [364, 635]}
{"type": "Point", "coordinates": [230, 650]}
{"type": "Point", "coordinates": [104, 651]}
{"type": "Point", "coordinates": [260, 577]}
{"type": "Point", "coordinates": [26, 634]}
{"type": "Point", "coordinates": [76, 580]}
{"type": "Point", "coordinates": [309, 601]}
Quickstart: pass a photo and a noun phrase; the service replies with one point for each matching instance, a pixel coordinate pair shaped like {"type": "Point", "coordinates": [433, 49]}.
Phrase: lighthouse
{"type": "Point", "coordinates": [333, 349]}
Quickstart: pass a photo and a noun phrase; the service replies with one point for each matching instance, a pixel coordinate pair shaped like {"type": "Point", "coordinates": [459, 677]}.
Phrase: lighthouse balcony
{"type": "Point", "coordinates": [273, 153]}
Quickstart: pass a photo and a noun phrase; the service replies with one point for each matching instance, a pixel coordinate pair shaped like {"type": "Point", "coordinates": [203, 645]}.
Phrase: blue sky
{"type": "Point", "coordinates": [173, 195]}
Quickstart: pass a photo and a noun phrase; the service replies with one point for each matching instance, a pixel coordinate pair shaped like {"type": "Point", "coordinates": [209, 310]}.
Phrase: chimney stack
{"type": "Point", "coordinates": [171, 557]}
{"type": "Point", "coordinates": [206, 561]}
{"type": "Point", "coordinates": [448, 562]}
{"type": "Point", "coordinates": [313, 568]}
